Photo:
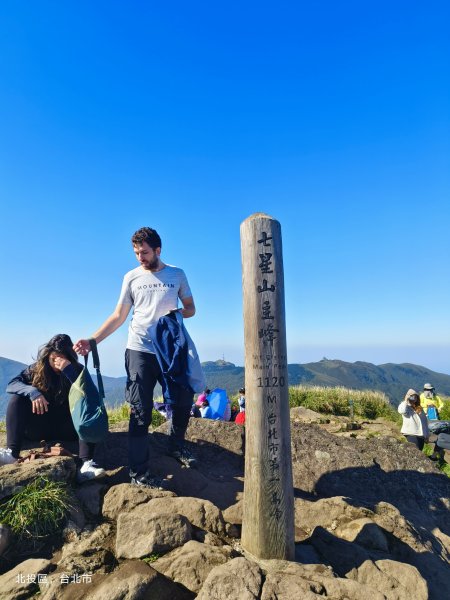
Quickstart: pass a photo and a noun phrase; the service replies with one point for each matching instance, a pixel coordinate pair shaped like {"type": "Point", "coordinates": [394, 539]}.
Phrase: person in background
{"type": "Point", "coordinates": [429, 398]}
{"type": "Point", "coordinates": [205, 410]}
{"type": "Point", "coordinates": [415, 423]}
{"type": "Point", "coordinates": [241, 400]}
{"type": "Point", "coordinates": [39, 405]}
{"type": "Point", "coordinates": [240, 418]}
{"type": "Point", "coordinates": [203, 396]}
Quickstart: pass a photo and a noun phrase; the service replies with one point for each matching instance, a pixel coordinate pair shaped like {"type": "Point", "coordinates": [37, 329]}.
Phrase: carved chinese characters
{"type": "Point", "coordinates": [268, 524]}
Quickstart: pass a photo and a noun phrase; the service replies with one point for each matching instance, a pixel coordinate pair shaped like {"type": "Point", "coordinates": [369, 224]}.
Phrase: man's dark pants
{"type": "Point", "coordinates": [143, 372]}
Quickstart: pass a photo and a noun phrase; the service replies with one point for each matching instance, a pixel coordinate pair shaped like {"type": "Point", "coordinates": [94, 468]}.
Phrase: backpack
{"type": "Point", "coordinates": [86, 403]}
{"type": "Point", "coordinates": [438, 427]}
{"type": "Point", "coordinates": [432, 413]}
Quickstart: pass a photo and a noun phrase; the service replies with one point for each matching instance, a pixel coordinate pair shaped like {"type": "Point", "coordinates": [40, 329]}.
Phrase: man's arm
{"type": "Point", "coordinates": [188, 309]}
{"type": "Point", "coordinates": [113, 322]}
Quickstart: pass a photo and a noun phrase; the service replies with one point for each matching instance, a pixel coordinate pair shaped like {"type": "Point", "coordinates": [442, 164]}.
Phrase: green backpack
{"type": "Point", "coordinates": [86, 403]}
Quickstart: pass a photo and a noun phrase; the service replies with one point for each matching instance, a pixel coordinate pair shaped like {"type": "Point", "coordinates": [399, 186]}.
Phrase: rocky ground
{"type": "Point", "coordinates": [371, 515]}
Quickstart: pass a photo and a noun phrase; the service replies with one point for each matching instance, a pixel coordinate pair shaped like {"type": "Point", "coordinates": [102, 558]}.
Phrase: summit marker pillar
{"type": "Point", "coordinates": [268, 517]}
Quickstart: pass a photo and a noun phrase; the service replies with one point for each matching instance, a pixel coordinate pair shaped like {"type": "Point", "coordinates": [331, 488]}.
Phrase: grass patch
{"type": "Point", "coordinates": [444, 413]}
{"type": "Point", "coordinates": [2, 426]}
{"type": "Point", "coordinates": [367, 404]}
{"type": "Point", "coordinates": [428, 449]}
{"type": "Point", "coordinates": [151, 558]}
{"type": "Point", "coordinates": [121, 414]}
{"type": "Point", "coordinates": [38, 510]}
{"type": "Point", "coordinates": [118, 414]}
{"type": "Point", "coordinates": [444, 467]}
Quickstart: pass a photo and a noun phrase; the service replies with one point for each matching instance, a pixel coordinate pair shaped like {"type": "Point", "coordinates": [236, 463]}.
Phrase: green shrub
{"type": "Point", "coordinates": [38, 510]}
{"type": "Point", "coordinates": [157, 418]}
{"type": "Point", "coordinates": [367, 404]}
{"type": "Point", "coordinates": [444, 413]}
{"type": "Point", "coordinates": [118, 414]}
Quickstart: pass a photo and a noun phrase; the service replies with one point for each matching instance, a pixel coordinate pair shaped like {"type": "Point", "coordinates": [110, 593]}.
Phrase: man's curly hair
{"type": "Point", "coordinates": [146, 234]}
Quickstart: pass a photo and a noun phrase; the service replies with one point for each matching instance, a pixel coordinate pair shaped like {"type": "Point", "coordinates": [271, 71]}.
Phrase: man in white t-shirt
{"type": "Point", "coordinates": [153, 290]}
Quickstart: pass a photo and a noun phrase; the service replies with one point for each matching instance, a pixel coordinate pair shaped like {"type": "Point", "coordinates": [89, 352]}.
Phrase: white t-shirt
{"type": "Point", "coordinates": [152, 296]}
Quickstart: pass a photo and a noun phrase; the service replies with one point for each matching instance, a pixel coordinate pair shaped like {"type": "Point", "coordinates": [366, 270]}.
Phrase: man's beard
{"type": "Point", "coordinates": [152, 265]}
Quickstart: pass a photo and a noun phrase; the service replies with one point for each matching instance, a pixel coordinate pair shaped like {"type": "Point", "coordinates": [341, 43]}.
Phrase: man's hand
{"type": "Point", "coordinates": [82, 347]}
{"type": "Point", "coordinates": [39, 405]}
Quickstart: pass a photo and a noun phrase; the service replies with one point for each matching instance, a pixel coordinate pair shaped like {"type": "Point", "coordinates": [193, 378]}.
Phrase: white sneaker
{"type": "Point", "coordinates": [6, 458]}
{"type": "Point", "coordinates": [89, 470]}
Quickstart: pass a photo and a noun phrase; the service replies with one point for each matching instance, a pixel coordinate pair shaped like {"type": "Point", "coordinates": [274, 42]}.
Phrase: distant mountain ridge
{"type": "Point", "coordinates": [392, 379]}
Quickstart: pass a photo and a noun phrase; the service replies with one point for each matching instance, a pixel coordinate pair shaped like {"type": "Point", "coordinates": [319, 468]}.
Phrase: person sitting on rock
{"type": "Point", "coordinates": [39, 405]}
{"type": "Point", "coordinates": [429, 399]}
{"type": "Point", "coordinates": [206, 410]}
{"type": "Point", "coordinates": [203, 396]}
{"type": "Point", "coordinates": [415, 424]}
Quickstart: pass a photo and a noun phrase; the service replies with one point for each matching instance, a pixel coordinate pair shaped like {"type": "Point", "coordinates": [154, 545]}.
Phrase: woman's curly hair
{"type": "Point", "coordinates": [43, 377]}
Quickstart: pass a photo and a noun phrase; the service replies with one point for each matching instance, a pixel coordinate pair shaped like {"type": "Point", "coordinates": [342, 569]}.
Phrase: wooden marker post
{"type": "Point", "coordinates": [268, 519]}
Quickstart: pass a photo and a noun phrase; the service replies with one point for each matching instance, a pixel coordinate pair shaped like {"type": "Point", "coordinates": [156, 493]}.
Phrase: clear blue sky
{"type": "Point", "coordinates": [332, 117]}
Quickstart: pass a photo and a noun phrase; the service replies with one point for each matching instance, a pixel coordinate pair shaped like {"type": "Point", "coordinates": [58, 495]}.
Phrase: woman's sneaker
{"type": "Point", "coordinates": [6, 457]}
{"type": "Point", "coordinates": [89, 470]}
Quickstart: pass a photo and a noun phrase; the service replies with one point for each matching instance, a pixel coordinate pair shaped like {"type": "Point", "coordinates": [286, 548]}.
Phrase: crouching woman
{"type": "Point", "coordinates": [415, 424]}
{"type": "Point", "coordinates": [39, 406]}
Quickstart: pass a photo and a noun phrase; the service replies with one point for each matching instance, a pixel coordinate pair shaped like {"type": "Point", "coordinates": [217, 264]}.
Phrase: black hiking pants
{"type": "Point", "coordinates": [143, 372]}
{"type": "Point", "coordinates": [53, 426]}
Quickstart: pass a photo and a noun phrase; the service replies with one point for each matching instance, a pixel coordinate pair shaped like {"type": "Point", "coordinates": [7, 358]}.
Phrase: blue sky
{"type": "Point", "coordinates": [188, 117]}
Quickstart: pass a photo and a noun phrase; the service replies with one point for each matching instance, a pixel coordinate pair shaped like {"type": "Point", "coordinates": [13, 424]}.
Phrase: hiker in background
{"type": "Point", "coordinates": [39, 406]}
{"type": "Point", "coordinates": [205, 410]}
{"type": "Point", "coordinates": [240, 418]}
{"type": "Point", "coordinates": [203, 396]}
{"type": "Point", "coordinates": [415, 424]}
{"type": "Point", "coordinates": [153, 290]}
{"type": "Point", "coordinates": [241, 400]}
{"type": "Point", "coordinates": [430, 402]}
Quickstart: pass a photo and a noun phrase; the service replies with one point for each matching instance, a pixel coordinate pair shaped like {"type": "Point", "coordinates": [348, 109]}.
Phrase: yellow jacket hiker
{"type": "Point", "coordinates": [429, 398]}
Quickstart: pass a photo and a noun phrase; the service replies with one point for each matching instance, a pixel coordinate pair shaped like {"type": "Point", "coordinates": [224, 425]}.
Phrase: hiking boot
{"type": "Point", "coordinates": [185, 457]}
{"type": "Point", "coordinates": [6, 457]}
{"type": "Point", "coordinates": [146, 480]}
{"type": "Point", "coordinates": [89, 470]}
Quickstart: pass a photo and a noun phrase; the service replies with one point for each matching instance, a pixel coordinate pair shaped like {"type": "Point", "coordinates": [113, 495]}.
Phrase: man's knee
{"type": "Point", "coordinates": [139, 422]}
